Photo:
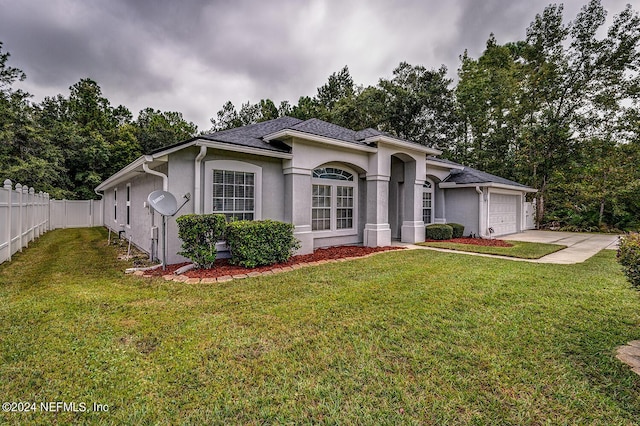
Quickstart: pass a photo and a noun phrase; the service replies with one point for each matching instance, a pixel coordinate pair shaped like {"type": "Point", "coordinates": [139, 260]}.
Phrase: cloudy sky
{"type": "Point", "coordinates": [194, 55]}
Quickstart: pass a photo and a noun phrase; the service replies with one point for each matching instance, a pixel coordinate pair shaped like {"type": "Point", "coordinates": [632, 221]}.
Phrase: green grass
{"type": "Point", "coordinates": [519, 249]}
{"type": "Point", "coordinates": [410, 337]}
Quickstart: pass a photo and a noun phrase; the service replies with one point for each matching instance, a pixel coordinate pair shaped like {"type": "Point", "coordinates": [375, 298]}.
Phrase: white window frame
{"type": "Point", "coordinates": [334, 184]}
{"type": "Point", "coordinates": [428, 188]}
{"type": "Point", "coordinates": [233, 166]}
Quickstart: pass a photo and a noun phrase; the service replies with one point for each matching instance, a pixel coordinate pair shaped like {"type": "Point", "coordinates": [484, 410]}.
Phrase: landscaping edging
{"type": "Point", "coordinates": [275, 270]}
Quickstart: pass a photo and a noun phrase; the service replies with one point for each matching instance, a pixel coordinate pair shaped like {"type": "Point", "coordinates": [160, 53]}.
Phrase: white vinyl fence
{"type": "Point", "coordinates": [25, 215]}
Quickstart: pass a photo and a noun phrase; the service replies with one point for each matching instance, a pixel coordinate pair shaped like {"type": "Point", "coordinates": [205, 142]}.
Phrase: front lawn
{"type": "Point", "coordinates": [519, 249]}
{"type": "Point", "coordinates": [408, 337]}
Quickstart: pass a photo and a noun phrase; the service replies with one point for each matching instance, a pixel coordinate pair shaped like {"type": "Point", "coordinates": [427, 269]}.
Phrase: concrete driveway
{"type": "Point", "coordinates": [580, 246]}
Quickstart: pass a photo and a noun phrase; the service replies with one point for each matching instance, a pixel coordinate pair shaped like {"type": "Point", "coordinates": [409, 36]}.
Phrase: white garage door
{"type": "Point", "coordinates": [503, 213]}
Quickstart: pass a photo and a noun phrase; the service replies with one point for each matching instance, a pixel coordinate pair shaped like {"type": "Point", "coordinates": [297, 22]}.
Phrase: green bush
{"type": "Point", "coordinates": [199, 234]}
{"type": "Point", "coordinates": [629, 257]}
{"type": "Point", "coordinates": [260, 242]}
{"type": "Point", "coordinates": [458, 230]}
{"type": "Point", "coordinates": [438, 232]}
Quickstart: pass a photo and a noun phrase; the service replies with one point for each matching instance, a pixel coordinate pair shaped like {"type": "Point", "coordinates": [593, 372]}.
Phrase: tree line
{"type": "Point", "coordinates": [67, 145]}
{"type": "Point", "coordinates": [557, 111]}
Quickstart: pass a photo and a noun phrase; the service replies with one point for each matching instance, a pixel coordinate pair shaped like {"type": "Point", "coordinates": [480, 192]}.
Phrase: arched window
{"type": "Point", "coordinates": [332, 173]}
{"type": "Point", "coordinates": [427, 202]}
{"type": "Point", "coordinates": [334, 199]}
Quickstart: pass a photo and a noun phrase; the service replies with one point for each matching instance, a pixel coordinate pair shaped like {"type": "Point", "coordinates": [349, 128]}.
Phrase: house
{"type": "Point", "coordinates": [337, 186]}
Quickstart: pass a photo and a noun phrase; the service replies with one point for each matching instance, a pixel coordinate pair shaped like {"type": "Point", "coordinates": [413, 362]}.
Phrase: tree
{"type": "Point", "coordinates": [488, 102]}
{"type": "Point", "coordinates": [26, 155]}
{"type": "Point", "coordinates": [575, 86]}
{"type": "Point", "coordinates": [306, 108]}
{"type": "Point", "coordinates": [419, 104]}
{"type": "Point", "coordinates": [155, 129]}
{"type": "Point", "coordinates": [229, 118]}
{"type": "Point", "coordinates": [531, 109]}
{"type": "Point", "coordinates": [339, 86]}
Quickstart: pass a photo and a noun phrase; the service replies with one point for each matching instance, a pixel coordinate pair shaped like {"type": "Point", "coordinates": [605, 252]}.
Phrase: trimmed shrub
{"type": "Point", "coordinates": [629, 257]}
{"type": "Point", "coordinates": [260, 242]}
{"type": "Point", "coordinates": [458, 230]}
{"type": "Point", "coordinates": [199, 234]}
{"type": "Point", "coordinates": [438, 231]}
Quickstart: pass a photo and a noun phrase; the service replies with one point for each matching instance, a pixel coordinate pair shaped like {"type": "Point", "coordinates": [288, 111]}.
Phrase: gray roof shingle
{"type": "Point", "coordinates": [317, 127]}
{"type": "Point", "coordinates": [252, 134]}
{"type": "Point", "coordinates": [469, 175]}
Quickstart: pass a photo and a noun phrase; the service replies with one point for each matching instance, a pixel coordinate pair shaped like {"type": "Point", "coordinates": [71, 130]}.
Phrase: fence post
{"type": "Point", "coordinates": [9, 188]}
{"type": "Point", "coordinates": [47, 212]}
{"type": "Point", "coordinates": [38, 214]}
{"type": "Point", "coordinates": [31, 213]}
{"type": "Point", "coordinates": [20, 213]}
{"type": "Point", "coordinates": [25, 222]}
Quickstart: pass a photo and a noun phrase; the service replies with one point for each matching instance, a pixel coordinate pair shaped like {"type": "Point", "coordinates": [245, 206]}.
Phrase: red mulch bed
{"type": "Point", "coordinates": [222, 266]}
{"type": "Point", "coordinates": [475, 241]}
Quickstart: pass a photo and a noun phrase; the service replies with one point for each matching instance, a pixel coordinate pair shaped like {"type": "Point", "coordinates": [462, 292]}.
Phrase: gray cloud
{"type": "Point", "coordinates": [195, 55]}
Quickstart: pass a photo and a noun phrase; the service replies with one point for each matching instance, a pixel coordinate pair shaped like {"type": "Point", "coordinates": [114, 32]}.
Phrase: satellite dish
{"type": "Point", "coordinates": [163, 202]}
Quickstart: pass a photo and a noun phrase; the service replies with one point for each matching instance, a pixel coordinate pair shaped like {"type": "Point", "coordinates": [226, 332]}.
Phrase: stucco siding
{"type": "Point", "coordinates": [462, 207]}
{"type": "Point", "coordinates": [182, 180]}
{"type": "Point", "coordinates": [140, 218]}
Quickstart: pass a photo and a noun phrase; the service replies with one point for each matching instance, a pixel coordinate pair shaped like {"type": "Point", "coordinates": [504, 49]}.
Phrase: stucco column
{"type": "Point", "coordinates": [377, 232]}
{"type": "Point", "coordinates": [413, 227]}
{"type": "Point", "coordinates": [297, 206]}
{"type": "Point", "coordinates": [412, 230]}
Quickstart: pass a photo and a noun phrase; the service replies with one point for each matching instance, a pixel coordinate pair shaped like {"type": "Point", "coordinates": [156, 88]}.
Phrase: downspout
{"type": "Point", "coordinates": [479, 191]}
{"type": "Point", "coordinates": [165, 187]}
{"type": "Point", "coordinates": [197, 208]}
{"type": "Point", "coordinates": [145, 167]}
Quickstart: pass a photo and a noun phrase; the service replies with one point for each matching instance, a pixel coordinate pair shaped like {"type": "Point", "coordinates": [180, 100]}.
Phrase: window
{"type": "Point", "coordinates": [115, 204]}
{"type": "Point", "coordinates": [129, 205]}
{"type": "Point", "coordinates": [233, 188]}
{"type": "Point", "coordinates": [333, 194]}
{"type": "Point", "coordinates": [332, 173]}
{"type": "Point", "coordinates": [321, 208]}
{"type": "Point", "coordinates": [344, 207]}
{"type": "Point", "coordinates": [234, 194]}
{"type": "Point", "coordinates": [427, 202]}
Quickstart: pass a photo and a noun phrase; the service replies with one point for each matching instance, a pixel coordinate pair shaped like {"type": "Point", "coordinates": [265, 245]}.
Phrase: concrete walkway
{"type": "Point", "coordinates": [580, 246]}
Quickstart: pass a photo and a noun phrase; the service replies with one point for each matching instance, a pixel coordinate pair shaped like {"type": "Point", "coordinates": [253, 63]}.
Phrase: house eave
{"type": "Point", "coordinates": [122, 174]}
{"type": "Point", "coordinates": [436, 163]}
{"type": "Point", "coordinates": [244, 149]}
{"type": "Point", "coordinates": [402, 144]}
{"type": "Point", "coordinates": [287, 133]}
{"type": "Point", "coordinates": [445, 185]}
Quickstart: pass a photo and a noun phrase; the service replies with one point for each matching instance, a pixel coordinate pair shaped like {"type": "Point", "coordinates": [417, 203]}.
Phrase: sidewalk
{"type": "Point", "coordinates": [580, 246]}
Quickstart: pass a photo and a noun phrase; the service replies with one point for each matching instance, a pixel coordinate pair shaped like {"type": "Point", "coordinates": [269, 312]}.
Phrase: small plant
{"type": "Point", "coordinates": [260, 242]}
{"type": "Point", "coordinates": [438, 232]}
{"type": "Point", "coordinates": [629, 257]}
{"type": "Point", "coordinates": [199, 234]}
{"type": "Point", "coordinates": [458, 230]}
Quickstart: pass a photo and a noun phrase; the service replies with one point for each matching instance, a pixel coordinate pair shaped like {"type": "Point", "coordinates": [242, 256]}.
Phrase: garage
{"type": "Point", "coordinates": [503, 213]}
